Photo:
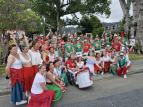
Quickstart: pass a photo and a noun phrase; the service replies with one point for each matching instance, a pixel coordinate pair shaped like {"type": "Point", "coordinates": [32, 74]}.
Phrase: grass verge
{"type": "Point", "coordinates": [135, 56]}
{"type": "Point", "coordinates": [2, 69]}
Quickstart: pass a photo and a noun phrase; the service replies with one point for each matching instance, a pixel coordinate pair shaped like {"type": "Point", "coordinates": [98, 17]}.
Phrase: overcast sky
{"type": "Point", "coordinates": [115, 16]}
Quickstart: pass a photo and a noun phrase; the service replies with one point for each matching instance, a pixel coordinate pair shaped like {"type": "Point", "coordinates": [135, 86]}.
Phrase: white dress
{"type": "Point", "coordinates": [90, 64]}
{"type": "Point", "coordinates": [80, 65]}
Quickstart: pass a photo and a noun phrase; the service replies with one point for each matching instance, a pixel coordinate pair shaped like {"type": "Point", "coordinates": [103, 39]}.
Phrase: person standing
{"type": "Point", "coordinates": [35, 56]}
{"type": "Point", "coordinates": [15, 73]}
{"type": "Point", "coordinates": [78, 48]}
{"type": "Point", "coordinates": [117, 47]}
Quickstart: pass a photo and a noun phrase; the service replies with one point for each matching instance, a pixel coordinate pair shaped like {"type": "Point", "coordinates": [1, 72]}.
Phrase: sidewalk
{"type": "Point", "coordinates": [137, 66]}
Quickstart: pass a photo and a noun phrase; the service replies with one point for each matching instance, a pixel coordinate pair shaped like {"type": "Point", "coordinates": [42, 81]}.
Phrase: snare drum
{"type": "Point", "coordinates": [83, 78]}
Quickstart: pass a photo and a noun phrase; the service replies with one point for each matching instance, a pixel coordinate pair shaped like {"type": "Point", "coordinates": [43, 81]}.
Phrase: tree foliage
{"type": "Point", "coordinates": [54, 10]}
{"type": "Point", "coordinates": [91, 25]}
{"type": "Point", "coordinates": [14, 15]}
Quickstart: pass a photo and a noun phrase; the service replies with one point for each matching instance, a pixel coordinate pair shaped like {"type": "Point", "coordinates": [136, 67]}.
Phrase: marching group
{"type": "Point", "coordinates": [43, 67]}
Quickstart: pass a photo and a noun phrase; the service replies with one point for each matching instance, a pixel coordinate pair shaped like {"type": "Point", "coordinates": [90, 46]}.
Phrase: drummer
{"type": "Point", "coordinates": [97, 45]}
{"type": "Point", "coordinates": [86, 48]}
{"type": "Point", "coordinates": [71, 64]}
{"type": "Point", "coordinates": [78, 48]}
{"type": "Point", "coordinates": [69, 48]}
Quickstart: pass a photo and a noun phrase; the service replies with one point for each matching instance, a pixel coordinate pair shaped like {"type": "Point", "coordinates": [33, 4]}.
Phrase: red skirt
{"type": "Point", "coordinates": [35, 68]}
{"type": "Point", "coordinates": [16, 75]}
{"type": "Point", "coordinates": [106, 66]}
{"type": "Point", "coordinates": [96, 68]}
{"type": "Point", "coordinates": [42, 100]}
{"type": "Point", "coordinates": [28, 76]}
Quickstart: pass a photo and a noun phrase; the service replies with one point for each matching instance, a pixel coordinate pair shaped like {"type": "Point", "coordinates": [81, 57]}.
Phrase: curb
{"type": "Point", "coordinates": [95, 80]}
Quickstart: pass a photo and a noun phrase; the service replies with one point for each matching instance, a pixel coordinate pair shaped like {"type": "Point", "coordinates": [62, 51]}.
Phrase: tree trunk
{"type": "Point", "coordinates": [4, 46]}
{"type": "Point", "coordinates": [43, 19]}
{"type": "Point", "coordinates": [139, 23]}
{"type": "Point", "coordinates": [58, 23]}
{"type": "Point", "coordinates": [126, 15]}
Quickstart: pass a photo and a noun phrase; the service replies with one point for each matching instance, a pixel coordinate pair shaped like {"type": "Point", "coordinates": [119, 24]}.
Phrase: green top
{"type": "Point", "coordinates": [78, 47]}
{"type": "Point", "coordinates": [73, 40]}
{"type": "Point", "coordinates": [103, 47]}
{"type": "Point", "coordinates": [55, 46]}
{"type": "Point", "coordinates": [61, 55]}
{"type": "Point", "coordinates": [110, 44]}
{"type": "Point", "coordinates": [68, 48]}
{"type": "Point", "coordinates": [123, 41]}
{"type": "Point", "coordinates": [123, 62]}
{"type": "Point", "coordinates": [97, 46]}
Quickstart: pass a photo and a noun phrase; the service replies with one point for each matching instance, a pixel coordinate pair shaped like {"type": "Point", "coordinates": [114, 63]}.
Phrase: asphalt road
{"type": "Point", "coordinates": [114, 92]}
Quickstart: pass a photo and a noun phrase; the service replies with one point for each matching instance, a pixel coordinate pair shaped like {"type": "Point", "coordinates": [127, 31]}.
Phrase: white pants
{"type": "Point", "coordinates": [79, 54]}
{"type": "Point", "coordinates": [56, 53]}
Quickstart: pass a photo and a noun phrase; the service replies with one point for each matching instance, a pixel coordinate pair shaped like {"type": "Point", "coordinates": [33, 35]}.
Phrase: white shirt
{"type": "Point", "coordinates": [80, 65]}
{"type": "Point", "coordinates": [36, 87]}
{"type": "Point", "coordinates": [132, 41]}
{"type": "Point", "coordinates": [107, 59]}
{"type": "Point", "coordinates": [127, 60]}
{"type": "Point", "coordinates": [35, 57]}
{"type": "Point", "coordinates": [99, 62]}
{"type": "Point", "coordinates": [23, 60]}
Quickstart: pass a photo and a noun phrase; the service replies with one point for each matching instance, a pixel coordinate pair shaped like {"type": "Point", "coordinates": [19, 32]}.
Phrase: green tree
{"type": "Point", "coordinates": [54, 10]}
{"type": "Point", "coordinates": [14, 14]}
{"type": "Point", "coordinates": [91, 25]}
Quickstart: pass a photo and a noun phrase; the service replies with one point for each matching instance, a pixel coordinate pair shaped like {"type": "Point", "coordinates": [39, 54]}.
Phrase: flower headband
{"type": "Point", "coordinates": [10, 46]}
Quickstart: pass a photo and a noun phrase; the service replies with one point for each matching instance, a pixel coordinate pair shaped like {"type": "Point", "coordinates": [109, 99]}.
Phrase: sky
{"type": "Point", "coordinates": [115, 16]}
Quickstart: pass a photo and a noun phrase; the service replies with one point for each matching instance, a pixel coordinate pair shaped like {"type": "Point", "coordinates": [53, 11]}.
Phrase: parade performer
{"type": "Point", "coordinates": [86, 48]}
{"type": "Point", "coordinates": [115, 38]}
{"type": "Point", "coordinates": [132, 41]}
{"type": "Point", "coordinates": [107, 42]}
{"type": "Point", "coordinates": [103, 45]}
{"type": "Point", "coordinates": [113, 64]}
{"type": "Point", "coordinates": [108, 50]}
{"type": "Point", "coordinates": [57, 73]}
{"type": "Point", "coordinates": [117, 47]}
{"type": "Point", "coordinates": [69, 48]}
{"type": "Point", "coordinates": [63, 74]}
{"type": "Point", "coordinates": [52, 83]}
{"type": "Point", "coordinates": [35, 56]}
{"type": "Point", "coordinates": [123, 64]}
{"type": "Point", "coordinates": [44, 54]}
{"type": "Point", "coordinates": [62, 53]}
{"type": "Point", "coordinates": [97, 45]}
{"type": "Point", "coordinates": [51, 55]}
{"type": "Point", "coordinates": [55, 47]}
{"type": "Point", "coordinates": [78, 48]}
{"type": "Point", "coordinates": [80, 63]}
{"type": "Point", "coordinates": [15, 73]}
{"type": "Point", "coordinates": [41, 96]}
{"type": "Point", "coordinates": [46, 44]}
{"type": "Point", "coordinates": [106, 62]}
{"type": "Point", "coordinates": [100, 62]}
{"type": "Point", "coordinates": [28, 72]}
{"type": "Point", "coordinates": [71, 64]}
{"type": "Point", "coordinates": [20, 42]}
{"type": "Point", "coordinates": [123, 40]}
{"type": "Point", "coordinates": [90, 62]}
